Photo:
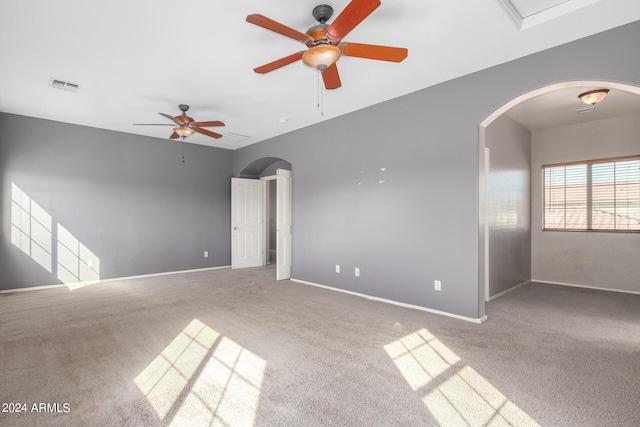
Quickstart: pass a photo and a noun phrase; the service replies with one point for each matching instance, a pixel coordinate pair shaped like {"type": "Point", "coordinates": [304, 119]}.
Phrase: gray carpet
{"type": "Point", "coordinates": [235, 347]}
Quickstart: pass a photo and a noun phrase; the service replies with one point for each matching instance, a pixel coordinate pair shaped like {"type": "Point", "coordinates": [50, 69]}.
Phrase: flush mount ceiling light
{"type": "Point", "coordinates": [593, 96]}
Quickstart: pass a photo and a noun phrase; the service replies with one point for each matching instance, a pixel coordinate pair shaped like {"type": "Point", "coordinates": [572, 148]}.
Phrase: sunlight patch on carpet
{"type": "Point", "coordinates": [203, 378]}
{"type": "Point", "coordinates": [420, 357]}
{"type": "Point", "coordinates": [454, 393]}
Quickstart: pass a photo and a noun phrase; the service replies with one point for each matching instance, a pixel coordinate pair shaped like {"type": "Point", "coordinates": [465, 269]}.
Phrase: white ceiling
{"type": "Point", "coordinates": [133, 59]}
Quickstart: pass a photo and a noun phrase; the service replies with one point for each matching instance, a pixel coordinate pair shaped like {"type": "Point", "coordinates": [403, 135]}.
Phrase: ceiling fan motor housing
{"type": "Point", "coordinates": [184, 118]}
{"type": "Point", "coordinates": [318, 34]}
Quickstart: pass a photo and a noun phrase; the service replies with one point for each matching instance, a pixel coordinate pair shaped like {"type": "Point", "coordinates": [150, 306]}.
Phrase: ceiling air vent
{"type": "Point", "coordinates": [233, 137]}
{"type": "Point", "coordinates": [64, 85]}
{"type": "Point", "coordinates": [585, 110]}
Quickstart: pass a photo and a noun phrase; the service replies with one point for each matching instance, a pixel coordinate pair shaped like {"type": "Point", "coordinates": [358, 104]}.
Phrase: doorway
{"type": "Point", "coordinates": [261, 217]}
{"type": "Point", "coordinates": [489, 285]}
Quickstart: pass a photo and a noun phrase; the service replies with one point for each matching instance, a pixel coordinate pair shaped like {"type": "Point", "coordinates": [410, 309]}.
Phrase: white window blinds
{"type": "Point", "coordinates": [599, 195]}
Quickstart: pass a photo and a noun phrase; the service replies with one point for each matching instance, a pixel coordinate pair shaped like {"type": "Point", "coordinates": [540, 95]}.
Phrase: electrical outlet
{"type": "Point", "coordinates": [437, 284]}
{"type": "Point", "coordinates": [206, 254]}
{"type": "Point", "coordinates": [337, 268]}
{"type": "Point", "coordinates": [357, 272]}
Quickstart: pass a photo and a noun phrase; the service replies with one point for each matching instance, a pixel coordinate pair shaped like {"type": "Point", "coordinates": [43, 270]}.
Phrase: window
{"type": "Point", "coordinates": [596, 195]}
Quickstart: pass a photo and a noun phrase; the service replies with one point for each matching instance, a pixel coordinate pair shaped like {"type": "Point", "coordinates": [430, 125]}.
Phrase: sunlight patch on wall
{"type": "Point", "coordinates": [32, 231]}
{"type": "Point", "coordinates": [77, 265]}
{"type": "Point", "coordinates": [459, 396]}
{"type": "Point", "coordinates": [203, 378]}
{"type": "Point", "coordinates": [31, 228]}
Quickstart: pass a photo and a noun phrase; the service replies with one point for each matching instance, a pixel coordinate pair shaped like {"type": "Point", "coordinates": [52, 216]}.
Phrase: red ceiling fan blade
{"type": "Point", "coordinates": [276, 27]}
{"type": "Point", "coordinates": [331, 77]}
{"type": "Point", "coordinates": [207, 124]}
{"type": "Point", "coordinates": [205, 132]}
{"type": "Point", "coordinates": [278, 63]}
{"type": "Point", "coordinates": [174, 136]}
{"type": "Point", "coordinates": [351, 16]}
{"type": "Point", "coordinates": [369, 51]}
{"type": "Point", "coordinates": [173, 119]}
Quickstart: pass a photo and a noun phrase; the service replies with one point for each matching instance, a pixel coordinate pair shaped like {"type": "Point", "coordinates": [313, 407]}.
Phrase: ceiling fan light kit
{"type": "Point", "coordinates": [324, 41]}
{"type": "Point", "coordinates": [183, 131]}
{"type": "Point", "coordinates": [321, 56]}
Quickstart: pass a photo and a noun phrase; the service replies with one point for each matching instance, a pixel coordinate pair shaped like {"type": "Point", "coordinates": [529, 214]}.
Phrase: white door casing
{"type": "Point", "coordinates": [487, 172]}
{"type": "Point", "coordinates": [246, 223]}
{"type": "Point", "coordinates": [283, 225]}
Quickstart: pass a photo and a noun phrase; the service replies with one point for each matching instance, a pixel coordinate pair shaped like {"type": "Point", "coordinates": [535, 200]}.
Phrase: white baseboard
{"type": "Point", "coordinates": [388, 301]}
{"type": "Point", "coordinates": [513, 288]}
{"type": "Point", "coordinates": [33, 288]}
{"type": "Point", "coordinates": [573, 285]}
{"type": "Point", "coordinates": [115, 279]}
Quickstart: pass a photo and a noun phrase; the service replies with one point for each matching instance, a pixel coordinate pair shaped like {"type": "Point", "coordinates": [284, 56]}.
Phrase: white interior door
{"type": "Point", "coordinates": [283, 225]}
{"type": "Point", "coordinates": [246, 222]}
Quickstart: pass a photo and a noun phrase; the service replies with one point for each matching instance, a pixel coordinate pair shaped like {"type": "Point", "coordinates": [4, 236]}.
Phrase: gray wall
{"type": "Point", "coordinates": [421, 224]}
{"type": "Point", "coordinates": [605, 260]}
{"type": "Point", "coordinates": [128, 199]}
{"type": "Point", "coordinates": [509, 204]}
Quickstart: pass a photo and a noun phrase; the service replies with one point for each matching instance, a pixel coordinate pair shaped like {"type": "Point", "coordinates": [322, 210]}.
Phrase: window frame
{"type": "Point", "coordinates": [589, 200]}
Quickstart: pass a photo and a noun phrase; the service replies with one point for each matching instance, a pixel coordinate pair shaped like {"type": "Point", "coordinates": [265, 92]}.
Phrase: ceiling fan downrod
{"type": "Point", "coordinates": [322, 13]}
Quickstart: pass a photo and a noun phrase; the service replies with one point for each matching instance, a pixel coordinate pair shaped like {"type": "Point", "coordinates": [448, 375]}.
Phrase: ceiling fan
{"type": "Point", "coordinates": [186, 125]}
{"type": "Point", "coordinates": [324, 41]}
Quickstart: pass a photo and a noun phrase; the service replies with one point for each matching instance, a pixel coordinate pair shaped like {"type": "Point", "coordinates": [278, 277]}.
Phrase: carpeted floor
{"type": "Point", "coordinates": [236, 347]}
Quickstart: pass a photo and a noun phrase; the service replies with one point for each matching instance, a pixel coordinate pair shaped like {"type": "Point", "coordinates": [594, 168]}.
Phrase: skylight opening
{"type": "Point", "coordinates": [528, 13]}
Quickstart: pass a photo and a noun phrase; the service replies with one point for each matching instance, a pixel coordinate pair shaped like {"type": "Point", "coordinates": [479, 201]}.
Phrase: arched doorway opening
{"type": "Point", "coordinates": [542, 99]}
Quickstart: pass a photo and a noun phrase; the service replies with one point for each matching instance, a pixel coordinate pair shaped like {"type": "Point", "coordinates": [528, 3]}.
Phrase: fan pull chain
{"type": "Point", "coordinates": [320, 94]}
{"type": "Point", "coordinates": [318, 89]}
{"type": "Point", "coordinates": [322, 100]}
